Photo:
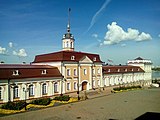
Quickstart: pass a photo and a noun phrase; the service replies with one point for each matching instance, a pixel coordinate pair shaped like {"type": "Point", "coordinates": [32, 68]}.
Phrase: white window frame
{"type": "Point", "coordinates": [15, 92]}
{"type": "Point", "coordinates": [72, 57]}
{"type": "Point", "coordinates": [94, 59]}
{"type": "Point", "coordinates": [85, 71]}
{"type": "Point", "coordinates": [15, 72]}
{"type": "Point", "coordinates": [75, 72]}
{"type": "Point", "coordinates": [31, 90]}
{"type": "Point", "coordinates": [93, 71]}
{"type": "Point", "coordinates": [75, 85]}
{"type": "Point", "coordinates": [68, 86]}
{"type": "Point", "coordinates": [44, 72]}
{"type": "Point", "coordinates": [44, 89]}
{"type": "Point", "coordinates": [56, 87]}
{"type": "Point", "coordinates": [98, 71]}
{"type": "Point", "coordinates": [98, 82]}
{"type": "Point", "coordinates": [68, 72]}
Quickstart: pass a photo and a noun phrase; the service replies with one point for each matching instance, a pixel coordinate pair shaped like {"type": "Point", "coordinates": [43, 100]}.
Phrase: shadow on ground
{"type": "Point", "coordinates": [149, 116]}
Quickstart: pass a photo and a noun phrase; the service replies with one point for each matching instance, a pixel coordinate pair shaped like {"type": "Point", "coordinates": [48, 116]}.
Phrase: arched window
{"type": "Point", "coordinates": [44, 89]}
{"type": "Point", "coordinates": [15, 92]}
{"type": "Point", "coordinates": [0, 93]}
{"type": "Point", "coordinates": [56, 87]}
{"type": "Point", "coordinates": [71, 45]}
{"type": "Point", "coordinates": [31, 90]}
{"type": "Point", "coordinates": [67, 43]}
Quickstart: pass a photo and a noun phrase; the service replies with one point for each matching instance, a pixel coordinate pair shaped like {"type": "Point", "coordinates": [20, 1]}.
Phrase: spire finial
{"type": "Point", "coordinates": [68, 26]}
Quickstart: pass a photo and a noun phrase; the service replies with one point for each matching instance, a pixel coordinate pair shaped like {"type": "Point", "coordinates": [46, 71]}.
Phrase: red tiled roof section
{"type": "Point", "coordinates": [65, 56]}
{"type": "Point", "coordinates": [27, 71]}
{"type": "Point", "coordinates": [121, 69]}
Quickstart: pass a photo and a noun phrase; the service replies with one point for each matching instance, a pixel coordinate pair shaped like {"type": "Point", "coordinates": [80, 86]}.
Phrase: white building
{"type": "Point", "coordinates": [116, 75]}
{"type": "Point", "coordinates": [20, 82]}
{"type": "Point", "coordinates": [146, 65]}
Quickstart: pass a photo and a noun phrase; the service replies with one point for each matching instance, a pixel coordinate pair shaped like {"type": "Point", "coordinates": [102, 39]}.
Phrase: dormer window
{"type": "Point", "coordinates": [44, 72]}
{"type": "Point", "coordinates": [94, 59]}
{"type": "Point", "coordinates": [15, 72]}
{"type": "Point", "coordinates": [138, 69]}
{"type": "Point", "coordinates": [72, 57]}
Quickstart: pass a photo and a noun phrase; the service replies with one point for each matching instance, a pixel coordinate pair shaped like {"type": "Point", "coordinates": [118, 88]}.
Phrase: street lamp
{"type": "Point", "coordinates": [25, 91]}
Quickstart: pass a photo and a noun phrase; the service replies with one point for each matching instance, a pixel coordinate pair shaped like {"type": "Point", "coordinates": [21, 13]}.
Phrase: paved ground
{"type": "Point", "coordinates": [122, 106]}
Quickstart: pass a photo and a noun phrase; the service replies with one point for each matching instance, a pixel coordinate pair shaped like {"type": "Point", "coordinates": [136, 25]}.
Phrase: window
{"type": "Point", "coordinates": [93, 71]}
{"type": "Point", "coordinates": [94, 84]}
{"type": "Point", "coordinates": [31, 90]}
{"type": "Point", "coordinates": [71, 45]}
{"type": "Point", "coordinates": [75, 85]}
{"type": "Point", "coordinates": [44, 89]}
{"type": "Point", "coordinates": [67, 44]}
{"type": "Point", "coordinates": [44, 72]}
{"type": "Point", "coordinates": [98, 83]}
{"type": "Point", "coordinates": [68, 86]}
{"type": "Point", "coordinates": [94, 59]}
{"type": "Point", "coordinates": [98, 71]}
{"type": "Point", "coordinates": [15, 72]}
{"type": "Point", "coordinates": [56, 87]}
{"type": "Point", "coordinates": [68, 72]}
{"type": "Point", "coordinates": [118, 70]}
{"type": "Point", "coordinates": [0, 93]}
{"type": "Point", "coordinates": [72, 57]}
{"type": "Point", "coordinates": [15, 92]}
{"type": "Point", "coordinates": [75, 72]}
{"type": "Point", "coordinates": [109, 70]}
{"type": "Point", "coordinates": [85, 71]}
{"type": "Point", "coordinates": [126, 69]}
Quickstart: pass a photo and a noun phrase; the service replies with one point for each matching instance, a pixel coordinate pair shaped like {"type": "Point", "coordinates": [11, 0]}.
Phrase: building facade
{"type": "Point", "coordinates": [20, 82]}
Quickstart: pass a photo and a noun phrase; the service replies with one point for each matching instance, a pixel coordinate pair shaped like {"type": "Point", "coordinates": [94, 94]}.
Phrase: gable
{"type": "Point", "coordinates": [85, 59]}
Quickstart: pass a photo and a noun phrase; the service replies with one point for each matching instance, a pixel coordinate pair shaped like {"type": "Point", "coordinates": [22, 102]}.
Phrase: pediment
{"type": "Point", "coordinates": [85, 59]}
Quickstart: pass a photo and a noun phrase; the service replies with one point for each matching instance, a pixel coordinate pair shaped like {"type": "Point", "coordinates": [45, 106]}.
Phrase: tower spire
{"type": "Point", "coordinates": [68, 26]}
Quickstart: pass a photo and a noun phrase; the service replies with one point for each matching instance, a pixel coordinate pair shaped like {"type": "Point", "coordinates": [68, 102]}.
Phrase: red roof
{"type": "Point", "coordinates": [65, 56]}
{"type": "Point", "coordinates": [121, 69]}
{"type": "Point", "coordinates": [27, 71]}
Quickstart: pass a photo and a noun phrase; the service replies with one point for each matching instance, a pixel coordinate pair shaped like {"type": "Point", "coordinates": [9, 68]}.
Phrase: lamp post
{"type": "Point", "coordinates": [25, 91]}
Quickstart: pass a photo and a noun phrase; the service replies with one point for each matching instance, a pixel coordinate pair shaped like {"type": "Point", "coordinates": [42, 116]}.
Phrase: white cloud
{"type": "Point", "coordinates": [95, 35]}
{"type": "Point", "coordinates": [116, 34]}
{"type": "Point", "coordinates": [10, 44]}
{"type": "Point", "coordinates": [3, 50]}
{"type": "Point", "coordinates": [20, 53]}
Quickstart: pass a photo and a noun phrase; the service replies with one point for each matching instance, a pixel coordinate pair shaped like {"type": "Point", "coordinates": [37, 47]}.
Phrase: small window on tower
{"type": "Point", "coordinates": [72, 57]}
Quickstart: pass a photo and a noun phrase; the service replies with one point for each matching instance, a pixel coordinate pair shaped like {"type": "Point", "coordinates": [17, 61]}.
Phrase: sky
{"type": "Point", "coordinates": [117, 30]}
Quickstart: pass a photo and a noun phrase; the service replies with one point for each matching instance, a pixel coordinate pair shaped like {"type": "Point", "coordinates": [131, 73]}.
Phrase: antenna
{"type": "Point", "coordinates": [68, 26]}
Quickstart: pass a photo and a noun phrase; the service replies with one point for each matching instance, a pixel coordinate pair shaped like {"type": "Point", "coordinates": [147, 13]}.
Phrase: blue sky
{"type": "Point", "coordinates": [117, 30]}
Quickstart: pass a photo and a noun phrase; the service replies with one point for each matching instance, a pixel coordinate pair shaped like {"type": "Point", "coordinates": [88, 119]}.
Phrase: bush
{"type": "Point", "coordinates": [42, 101]}
{"type": "Point", "coordinates": [14, 105]}
{"type": "Point", "coordinates": [126, 88]}
{"type": "Point", "coordinates": [62, 98]}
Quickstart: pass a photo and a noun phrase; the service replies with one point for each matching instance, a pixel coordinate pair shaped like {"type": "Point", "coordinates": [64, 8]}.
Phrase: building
{"type": "Point", "coordinates": [146, 65]}
{"type": "Point", "coordinates": [116, 75]}
{"type": "Point", "coordinates": [81, 71]}
{"type": "Point", "coordinates": [20, 82]}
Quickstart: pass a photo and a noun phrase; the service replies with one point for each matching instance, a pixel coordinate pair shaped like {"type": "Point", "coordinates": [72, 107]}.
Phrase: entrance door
{"type": "Point", "coordinates": [84, 86]}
